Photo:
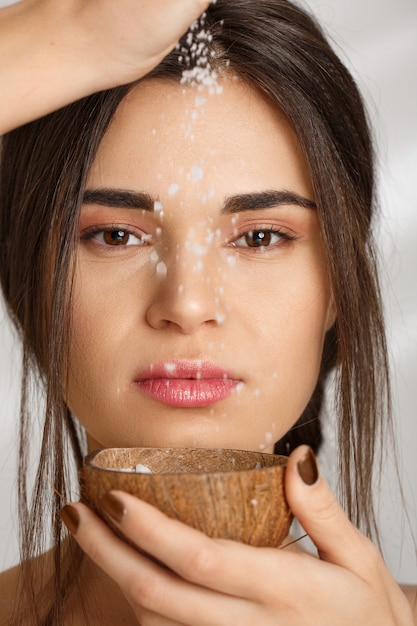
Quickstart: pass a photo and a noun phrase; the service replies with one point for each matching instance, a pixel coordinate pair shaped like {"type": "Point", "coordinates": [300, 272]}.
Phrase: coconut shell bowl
{"type": "Point", "coordinates": [229, 494]}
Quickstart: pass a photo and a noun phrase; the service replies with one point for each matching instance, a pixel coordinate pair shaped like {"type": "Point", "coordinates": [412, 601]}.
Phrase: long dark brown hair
{"type": "Point", "coordinates": [281, 51]}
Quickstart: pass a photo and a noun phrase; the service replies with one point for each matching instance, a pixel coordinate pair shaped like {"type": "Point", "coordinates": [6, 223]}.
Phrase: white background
{"type": "Point", "coordinates": [378, 40]}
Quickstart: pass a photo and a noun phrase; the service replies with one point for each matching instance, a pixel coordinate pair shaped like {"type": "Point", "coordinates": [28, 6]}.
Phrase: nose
{"type": "Point", "coordinates": [186, 296]}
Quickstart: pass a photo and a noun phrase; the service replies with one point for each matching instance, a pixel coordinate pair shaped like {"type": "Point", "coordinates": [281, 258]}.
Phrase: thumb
{"type": "Point", "coordinates": [316, 508]}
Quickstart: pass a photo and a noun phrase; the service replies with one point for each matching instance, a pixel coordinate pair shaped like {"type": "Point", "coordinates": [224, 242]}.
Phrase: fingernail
{"type": "Point", "coordinates": [113, 507]}
{"type": "Point", "coordinates": [307, 468]}
{"type": "Point", "coordinates": [71, 518]}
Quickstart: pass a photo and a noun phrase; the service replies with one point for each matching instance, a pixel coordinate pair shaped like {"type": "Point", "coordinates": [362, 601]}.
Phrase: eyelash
{"type": "Point", "coordinates": [92, 233]}
{"type": "Point", "coordinates": [283, 237]}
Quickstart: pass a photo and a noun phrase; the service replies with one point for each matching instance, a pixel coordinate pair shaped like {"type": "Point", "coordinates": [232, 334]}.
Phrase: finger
{"type": "Point", "coordinates": [316, 508]}
{"type": "Point", "coordinates": [146, 584]}
{"type": "Point", "coordinates": [225, 566]}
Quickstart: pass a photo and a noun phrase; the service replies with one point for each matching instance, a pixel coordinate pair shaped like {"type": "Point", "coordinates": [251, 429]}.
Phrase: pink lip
{"type": "Point", "coordinates": [187, 384]}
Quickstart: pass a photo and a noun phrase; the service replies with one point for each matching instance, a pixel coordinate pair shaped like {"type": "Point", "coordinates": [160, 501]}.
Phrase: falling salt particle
{"type": "Point", "coordinates": [258, 465]}
{"type": "Point", "coordinates": [254, 502]}
{"type": "Point", "coordinates": [142, 469]}
{"type": "Point", "coordinates": [231, 260]}
{"type": "Point", "coordinates": [161, 269]}
{"type": "Point", "coordinates": [158, 231]}
{"type": "Point", "coordinates": [173, 189]}
{"type": "Point", "coordinates": [197, 173]}
{"type": "Point", "coordinates": [262, 446]}
{"type": "Point", "coordinates": [199, 101]}
{"type": "Point", "coordinates": [195, 55]}
{"type": "Point", "coordinates": [157, 206]}
{"type": "Point", "coordinates": [239, 387]}
{"type": "Point", "coordinates": [220, 318]}
{"type": "Point", "coordinates": [268, 437]}
{"type": "Point", "coordinates": [180, 288]}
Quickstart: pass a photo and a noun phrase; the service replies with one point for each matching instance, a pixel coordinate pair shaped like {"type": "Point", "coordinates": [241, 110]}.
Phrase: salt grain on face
{"type": "Point", "coordinates": [197, 174]}
{"type": "Point", "coordinates": [161, 269]}
{"type": "Point", "coordinates": [154, 258]}
{"type": "Point", "coordinates": [173, 189]}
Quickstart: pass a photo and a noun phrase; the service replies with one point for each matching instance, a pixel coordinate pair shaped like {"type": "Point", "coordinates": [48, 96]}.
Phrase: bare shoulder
{"type": "Point", "coordinates": [410, 592]}
{"type": "Point", "coordinates": [8, 586]}
{"type": "Point", "coordinates": [10, 581]}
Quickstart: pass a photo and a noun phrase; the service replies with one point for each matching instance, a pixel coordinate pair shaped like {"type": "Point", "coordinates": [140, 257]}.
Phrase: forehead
{"type": "Point", "coordinates": [164, 134]}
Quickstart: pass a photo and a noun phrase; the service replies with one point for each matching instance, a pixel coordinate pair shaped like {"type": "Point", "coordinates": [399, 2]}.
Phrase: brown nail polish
{"type": "Point", "coordinates": [307, 468]}
{"type": "Point", "coordinates": [113, 507]}
{"type": "Point", "coordinates": [71, 518]}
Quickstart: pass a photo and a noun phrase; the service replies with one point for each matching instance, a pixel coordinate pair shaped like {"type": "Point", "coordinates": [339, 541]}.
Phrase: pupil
{"type": "Point", "coordinates": [116, 236]}
{"type": "Point", "coordinates": [258, 238]}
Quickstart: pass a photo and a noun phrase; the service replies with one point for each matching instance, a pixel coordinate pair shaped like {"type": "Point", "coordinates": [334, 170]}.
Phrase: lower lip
{"type": "Point", "coordinates": [188, 392]}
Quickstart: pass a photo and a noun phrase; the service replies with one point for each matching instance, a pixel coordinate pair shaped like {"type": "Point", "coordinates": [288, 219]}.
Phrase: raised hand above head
{"type": "Point", "coordinates": [52, 53]}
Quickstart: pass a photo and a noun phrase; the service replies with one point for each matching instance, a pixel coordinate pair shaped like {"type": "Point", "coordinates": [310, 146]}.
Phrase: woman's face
{"type": "Point", "coordinates": [201, 292]}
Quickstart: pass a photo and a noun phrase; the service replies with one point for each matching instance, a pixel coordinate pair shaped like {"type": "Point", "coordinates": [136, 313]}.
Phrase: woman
{"type": "Point", "coordinates": [183, 254]}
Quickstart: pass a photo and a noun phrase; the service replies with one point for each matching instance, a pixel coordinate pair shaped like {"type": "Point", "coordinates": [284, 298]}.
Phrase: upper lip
{"type": "Point", "coordinates": [187, 369]}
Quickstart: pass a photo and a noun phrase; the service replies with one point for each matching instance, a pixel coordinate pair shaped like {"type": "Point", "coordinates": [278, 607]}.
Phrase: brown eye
{"type": "Point", "coordinates": [258, 238]}
{"type": "Point", "coordinates": [116, 237]}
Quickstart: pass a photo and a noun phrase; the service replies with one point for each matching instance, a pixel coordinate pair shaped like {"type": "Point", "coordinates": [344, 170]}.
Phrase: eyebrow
{"type": "Point", "coordinates": [265, 200]}
{"type": "Point", "coordinates": [124, 199]}
{"type": "Point", "coordinates": [119, 198]}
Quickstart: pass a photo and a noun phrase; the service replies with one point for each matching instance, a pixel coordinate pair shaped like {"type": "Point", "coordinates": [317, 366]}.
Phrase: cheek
{"type": "Point", "coordinates": [292, 323]}
{"type": "Point", "coordinates": [96, 341]}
